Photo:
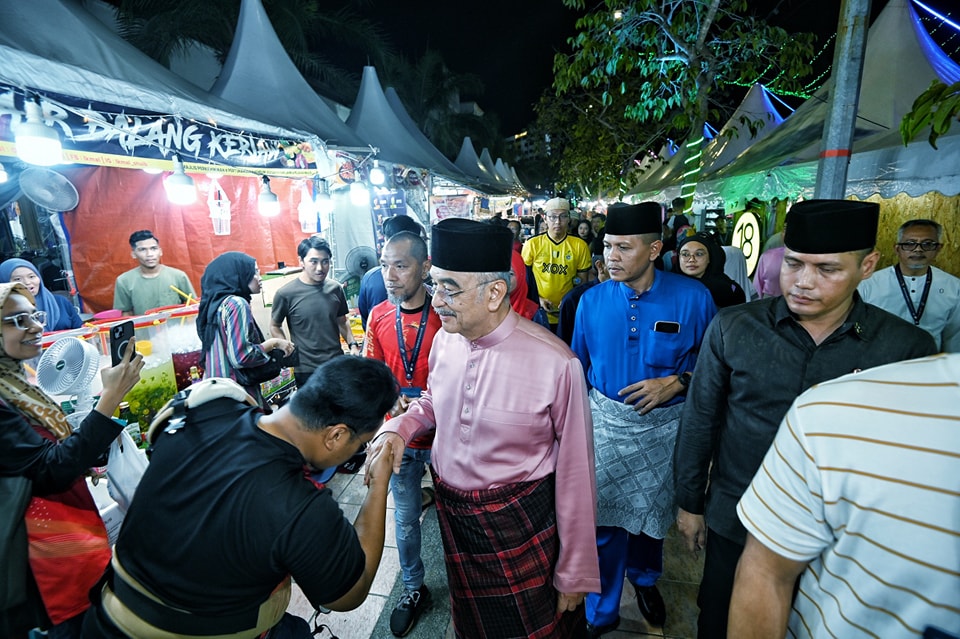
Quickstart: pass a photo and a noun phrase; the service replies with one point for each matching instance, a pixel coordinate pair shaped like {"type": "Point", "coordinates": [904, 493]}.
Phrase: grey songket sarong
{"type": "Point", "coordinates": [634, 456]}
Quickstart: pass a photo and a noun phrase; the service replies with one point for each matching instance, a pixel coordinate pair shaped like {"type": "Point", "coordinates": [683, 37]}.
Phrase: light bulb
{"type": "Point", "coordinates": [269, 203]}
{"type": "Point", "coordinates": [179, 186]}
{"type": "Point", "coordinates": [377, 176]}
{"type": "Point", "coordinates": [359, 194]}
{"type": "Point", "coordinates": [321, 195]}
{"type": "Point", "coordinates": [36, 142]}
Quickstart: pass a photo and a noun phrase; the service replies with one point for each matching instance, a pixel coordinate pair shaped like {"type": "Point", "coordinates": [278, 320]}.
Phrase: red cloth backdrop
{"type": "Point", "coordinates": [116, 202]}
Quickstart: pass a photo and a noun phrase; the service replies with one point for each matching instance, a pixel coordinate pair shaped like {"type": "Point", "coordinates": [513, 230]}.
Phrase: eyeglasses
{"type": "Point", "coordinates": [20, 320]}
{"type": "Point", "coordinates": [686, 255]}
{"type": "Point", "coordinates": [446, 294]}
{"type": "Point", "coordinates": [556, 218]}
{"type": "Point", "coordinates": [912, 245]}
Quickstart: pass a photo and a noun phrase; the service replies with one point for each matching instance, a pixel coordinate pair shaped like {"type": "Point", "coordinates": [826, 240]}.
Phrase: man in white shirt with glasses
{"type": "Point", "coordinates": [916, 290]}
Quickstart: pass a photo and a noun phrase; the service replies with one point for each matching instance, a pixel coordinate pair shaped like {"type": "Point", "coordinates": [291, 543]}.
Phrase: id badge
{"type": "Point", "coordinates": [412, 392]}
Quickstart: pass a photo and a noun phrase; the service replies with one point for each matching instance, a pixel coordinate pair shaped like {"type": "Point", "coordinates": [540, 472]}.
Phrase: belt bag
{"type": "Point", "coordinates": [139, 613]}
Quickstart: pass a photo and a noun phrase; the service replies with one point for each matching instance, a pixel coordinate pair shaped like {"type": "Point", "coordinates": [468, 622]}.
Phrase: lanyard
{"type": "Point", "coordinates": [411, 364]}
{"type": "Point", "coordinates": [915, 313]}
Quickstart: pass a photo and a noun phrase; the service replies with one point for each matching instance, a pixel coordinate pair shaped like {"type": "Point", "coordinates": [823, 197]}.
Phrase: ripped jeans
{"type": "Point", "coordinates": [405, 486]}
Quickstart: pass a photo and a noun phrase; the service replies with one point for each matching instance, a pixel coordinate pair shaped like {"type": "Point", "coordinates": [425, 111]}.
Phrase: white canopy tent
{"type": "Point", "coordinates": [901, 61]}
{"type": "Point", "coordinates": [58, 47]}
{"type": "Point", "coordinates": [259, 75]}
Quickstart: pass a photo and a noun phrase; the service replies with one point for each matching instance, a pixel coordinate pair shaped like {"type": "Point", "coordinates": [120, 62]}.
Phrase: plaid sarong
{"type": "Point", "coordinates": [501, 547]}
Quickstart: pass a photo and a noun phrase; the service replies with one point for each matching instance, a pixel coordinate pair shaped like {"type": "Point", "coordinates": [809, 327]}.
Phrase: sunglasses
{"type": "Point", "coordinates": [23, 321]}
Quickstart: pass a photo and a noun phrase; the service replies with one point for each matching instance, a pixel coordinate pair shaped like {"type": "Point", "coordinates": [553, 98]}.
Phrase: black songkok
{"type": "Point", "coordinates": [634, 219]}
{"type": "Point", "coordinates": [466, 246]}
{"type": "Point", "coordinates": [831, 226]}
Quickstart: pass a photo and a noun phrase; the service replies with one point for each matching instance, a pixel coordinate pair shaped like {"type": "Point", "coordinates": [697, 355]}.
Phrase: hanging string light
{"type": "Point", "coordinates": [269, 203]}
{"type": "Point", "coordinates": [180, 186]}
{"type": "Point", "coordinates": [377, 176]}
{"type": "Point", "coordinates": [36, 142]}
{"type": "Point", "coordinates": [321, 195]}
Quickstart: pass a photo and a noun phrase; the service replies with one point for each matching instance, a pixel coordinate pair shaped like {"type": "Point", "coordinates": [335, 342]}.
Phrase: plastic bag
{"type": "Point", "coordinates": [125, 467]}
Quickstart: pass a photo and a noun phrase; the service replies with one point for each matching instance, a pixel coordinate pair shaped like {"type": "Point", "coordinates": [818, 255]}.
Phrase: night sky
{"type": "Point", "coordinates": [510, 44]}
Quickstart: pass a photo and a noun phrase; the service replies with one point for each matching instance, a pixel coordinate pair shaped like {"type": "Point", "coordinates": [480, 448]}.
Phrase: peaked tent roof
{"type": "Point", "coordinates": [468, 162]}
{"type": "Point", "coordinates": [75, 54]}
{"type": "Point", "coordinates": [373, 119]}
{"type": "Point", "coordinates": [259, 75]}
{"type": "Point", "coordinates": [449, 168]}
{"type": "Point", "coordinates": [502, 170]}
{"type": "Point", "coordinates": [669, 171]}
{"type": "Point", "coordinates": [507, 173]}
{"type": "Point", "coordinates": [901, 61]}
{"type": "Point", "coordinates": [880, 163]}
{"type": "Point", "coordinates": [487, 161]}
{"type": "Point", "coordinates": [735, 136]}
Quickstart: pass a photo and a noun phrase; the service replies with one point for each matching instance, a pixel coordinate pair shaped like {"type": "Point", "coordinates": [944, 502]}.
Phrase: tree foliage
{"type": "Point", "coordinates": [666, 63]}
{"type": "Point", "coordinates": [936, 108]}
{"type": "Point", "coordinates": [591, 147]}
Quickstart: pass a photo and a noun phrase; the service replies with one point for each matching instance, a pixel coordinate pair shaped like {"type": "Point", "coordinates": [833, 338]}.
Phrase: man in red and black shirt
{"type": "Point", "coordinates": [400, 333]}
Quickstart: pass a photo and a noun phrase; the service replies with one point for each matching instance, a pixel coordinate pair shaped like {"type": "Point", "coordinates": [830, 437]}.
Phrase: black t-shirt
{"type": "Point", "coordinates": [224, 513]}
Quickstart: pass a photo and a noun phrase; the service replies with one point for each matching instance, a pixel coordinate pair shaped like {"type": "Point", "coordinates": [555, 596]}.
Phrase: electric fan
{"type": "Point", "coordinates": [359, 260]}
{"type": "Point", "coordinates": [68, 368]}
{"type": "Point", "coordinates": [49, 189]}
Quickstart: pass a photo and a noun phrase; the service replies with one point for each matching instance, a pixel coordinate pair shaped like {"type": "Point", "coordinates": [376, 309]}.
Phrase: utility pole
{"type": "Point", "coordinates": [837, 142]}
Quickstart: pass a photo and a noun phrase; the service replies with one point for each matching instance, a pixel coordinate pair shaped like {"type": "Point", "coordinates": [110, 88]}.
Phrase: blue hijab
{"type": "Point", "coordinates": [45, 300]}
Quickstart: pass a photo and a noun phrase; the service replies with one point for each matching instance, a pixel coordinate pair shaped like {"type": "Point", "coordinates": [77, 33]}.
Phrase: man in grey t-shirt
{"type": "Point", "coordinates": [315, 309]}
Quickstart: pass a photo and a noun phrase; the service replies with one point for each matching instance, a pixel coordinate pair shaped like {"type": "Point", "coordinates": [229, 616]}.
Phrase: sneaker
{"type": "Point", "coordinates": [411, 605]}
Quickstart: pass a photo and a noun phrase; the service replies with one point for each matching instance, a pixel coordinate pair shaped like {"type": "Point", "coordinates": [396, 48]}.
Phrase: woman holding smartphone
{"type": "Point", "coordinates": [65, 537]}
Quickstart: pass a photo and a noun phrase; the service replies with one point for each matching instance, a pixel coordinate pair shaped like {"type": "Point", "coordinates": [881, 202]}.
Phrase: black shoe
{"type": "Point", "coordinates": [596, 631]}
{"type": "Point", "coordinates": [651, 605]}
{"type": "Point", "coordinates": [409, 608]}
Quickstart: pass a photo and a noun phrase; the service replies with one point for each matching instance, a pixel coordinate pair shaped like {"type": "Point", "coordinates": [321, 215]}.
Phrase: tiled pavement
{"type": "Point", "coordinates": [371, 620]}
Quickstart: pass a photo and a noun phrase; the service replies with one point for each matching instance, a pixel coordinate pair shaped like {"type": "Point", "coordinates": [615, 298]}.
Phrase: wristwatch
{"type": "Point", "coordinates": [684, 379]}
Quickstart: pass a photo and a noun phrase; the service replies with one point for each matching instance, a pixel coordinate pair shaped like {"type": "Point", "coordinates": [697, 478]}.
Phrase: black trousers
{"type": "Point", "coordinates": [716, 587]}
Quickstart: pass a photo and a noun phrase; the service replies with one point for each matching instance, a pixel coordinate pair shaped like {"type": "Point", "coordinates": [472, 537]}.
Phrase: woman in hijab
{"type": "Point", "coordinates": [230, 335]}
{"type": "Point", "coordinates": [702, 257]}
{"type": "Point", "coordinates": [65, 537]}
{"type": "Point", "coordinates": [61, 314]}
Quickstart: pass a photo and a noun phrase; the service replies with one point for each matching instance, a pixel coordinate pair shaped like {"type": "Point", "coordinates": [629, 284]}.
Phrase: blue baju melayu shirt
{"type": "Point", "coordinates": [615, 333]}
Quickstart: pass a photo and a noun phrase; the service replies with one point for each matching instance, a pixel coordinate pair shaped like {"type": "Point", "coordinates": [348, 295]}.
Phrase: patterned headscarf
{"type": "Point", "coordinates": [36, 406]}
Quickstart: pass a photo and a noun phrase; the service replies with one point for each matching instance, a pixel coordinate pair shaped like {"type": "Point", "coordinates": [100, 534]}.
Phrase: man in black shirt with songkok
{"type": "Point", "coordinates": [757, 358]}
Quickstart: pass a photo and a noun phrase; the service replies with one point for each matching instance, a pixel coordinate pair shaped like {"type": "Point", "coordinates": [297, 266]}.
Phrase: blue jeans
{"type": "Point", "coordinates": [406, 498]}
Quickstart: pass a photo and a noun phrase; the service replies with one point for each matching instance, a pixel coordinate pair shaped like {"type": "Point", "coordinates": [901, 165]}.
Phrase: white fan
{"type": "Point", "coordinates": [68, 367]}
{"type": "Point", "coordinates": [49, 189]}
{"type": "Point", "coordinates": [359, 260]}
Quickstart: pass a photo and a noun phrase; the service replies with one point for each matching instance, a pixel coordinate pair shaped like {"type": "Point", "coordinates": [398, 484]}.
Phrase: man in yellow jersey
{"type": "Point", "coordinates": [559, 261]}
